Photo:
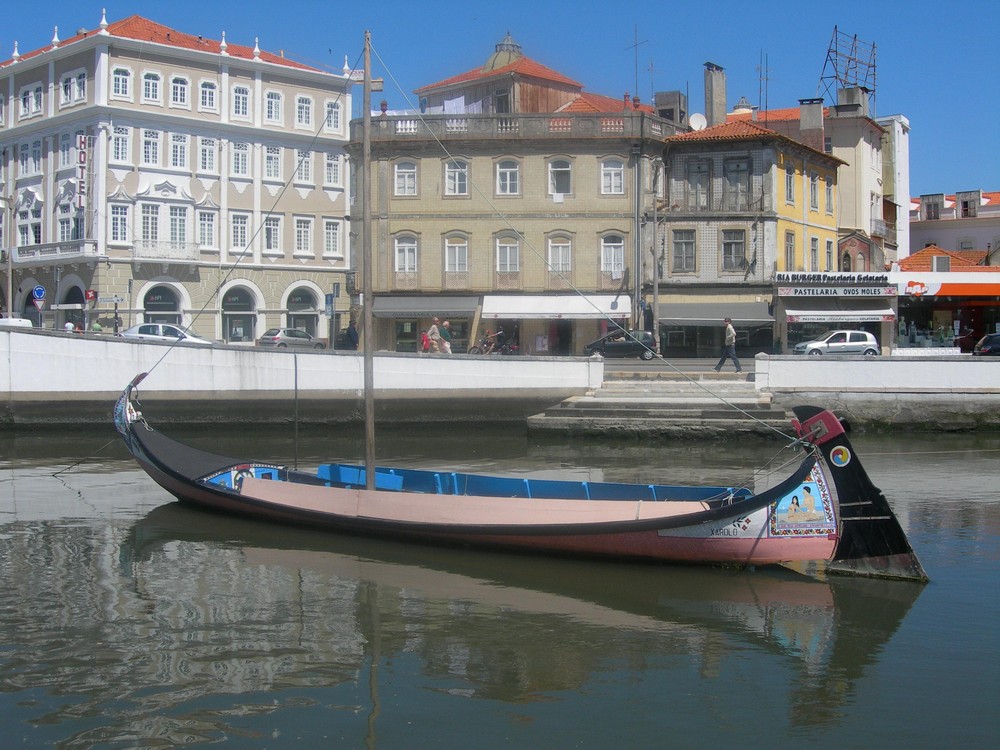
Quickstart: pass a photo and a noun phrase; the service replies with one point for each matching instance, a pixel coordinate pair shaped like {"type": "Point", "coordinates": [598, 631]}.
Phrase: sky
{"type": "Point", "coordinates": [933, 63]}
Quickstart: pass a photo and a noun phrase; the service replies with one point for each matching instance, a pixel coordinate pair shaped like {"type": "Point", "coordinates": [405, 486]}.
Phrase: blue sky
{"type": "Point", "coordinates": [934, 63]}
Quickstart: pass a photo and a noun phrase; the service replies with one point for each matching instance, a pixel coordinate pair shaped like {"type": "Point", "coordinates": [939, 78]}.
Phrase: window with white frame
{"type": "Point", "coordinates": [303, 168]}
{"type": "Point", "coordinates": [789, 251]}
{"type": "Point", "coordinates": [331, 238]}
{"type": "Point", "coordinates": [272, 235]}
{"type": "Point", "coordinates": [698, 184]}
{"type": "Point", "coordinates": [303, 236]}
{"type": "Point", "coordinates": [121, 83]}
{"type": "Point", "coordinates": [272, 163]}
{"type": "Point", "coordinates": [829, 255]}
{"type": "Point", "coordinates": [560, 177]}
{"type": "Point", "coordinates": [3, 102]}
{"type": "Point", "coordinates": [178, 150]}
{"type": "Point", "coordinates": [208, 99]}
{"type": "Point", "coordinates": [272, 107]}
{"type": "Point", "coordinates": [151, 87]}
{"type": "Point", "coordinates": [734, 243]}
{"type": "Point", "coordinates": [121, 139]}
{"type": "Point", "coordinates": [80, 90]}
{"type": "Point", "coordinates": [814, 191]}
{"type": "Point", "coordinates": [613, 255]}
{"type": "Point", "coordinates": [508, 173]}
{"type": "Point", "coordinates": [683, 255]}
{"type": "Point", "coordinates": [207, 148]}
{"type": "Point", "coordinates": [405, 254]}
{"type": "Point", "coordinates": [36, 157]}
{"type": "Point", "coordinates": [456, 177]}
{"type": "Point", "coordinates": [508, 255]}
{"type": "Point", "coordinates": [332, 116]}
{"type": "Point", "coordinates": [179, 96]}
{"type": "Point", "coordinates": [239, 231]}
{"type": "Point", "coordinates": [150, 230]}
{"type": "Point", "coordinates": [66, 90]}
{"type": "Point", "coordinates": [814, 253]}
{"type": "Point", "coordinates": [331, 173]}
{"type": "Point", "coordinates": [240, 160]}
{"type": "Point", "coordinates": [36, 101]}
{"type": "Point", "coordinates": [560, 255]}
{"type": "Point", "coordinates": [241, 102]}
{"type": "Point", "coordinates": [65, 229]}
{"type": "Point", "coordinates": [23, 160]}
{"type": "Point", "coordinates": [151, 148]}
{"type": "Point", "coordinates": [31, 101]}
{"type": "Point", "coordinates": [406, 178]}
{"type": "Point", "coordinates": [178, 227]}
{"type": "Point", "coordinates": [119, 230]}
{"type": "Point", "coordinates": [612, 177]}
{"type": "Point", "coordinates": [303, 111]}
{"type": "Point", "coordinates": [456, 255]}
{"type": "Point", "coordinates": [207, 235]}
{"type": "Point", "coordinates": [65, 150]}
{"type": "Point", "coordinates": [829, 194]}
{"type": "Point", "coordinates": [737, 184]}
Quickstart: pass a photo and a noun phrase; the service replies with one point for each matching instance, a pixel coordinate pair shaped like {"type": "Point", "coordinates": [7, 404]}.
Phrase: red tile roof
{"type": "Point", "coordinates": [596, 103]}
{"type": "Point", "coordinates": [961, 260]}
{"type": "Point", "coordinates": [775, 115]}
{"type": "Point", "coordinates": [523, 66]}
{"type": "Point", "coordinates": [741, 130]}
{"type": "Point", "coordinates": [142, 29]}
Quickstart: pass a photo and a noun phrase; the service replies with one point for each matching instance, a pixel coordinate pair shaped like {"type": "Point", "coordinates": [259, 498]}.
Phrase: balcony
{"type": "Point", "coordinates": [55, 253]}
{"type": "Point", "coordinates": [884, 229]}
{"type": "Point", "coordinates": [164, 252]}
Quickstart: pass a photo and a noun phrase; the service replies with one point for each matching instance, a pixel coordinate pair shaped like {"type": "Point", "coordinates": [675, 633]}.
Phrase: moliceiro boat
{"type": "Point", "coordinates": [826, 509]}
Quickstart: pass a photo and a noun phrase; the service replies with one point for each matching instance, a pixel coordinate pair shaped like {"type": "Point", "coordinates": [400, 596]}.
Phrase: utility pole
{"type": "Point", "coordinates": [9, 250]}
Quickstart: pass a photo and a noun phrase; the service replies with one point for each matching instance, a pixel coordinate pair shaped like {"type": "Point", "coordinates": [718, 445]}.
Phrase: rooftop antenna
{"type": "Point", "coordinates": [850, 63]}
{"type": "Point", "coordinates": [635, 48]}
{"type": "Point", "coordinates": [762, 79]}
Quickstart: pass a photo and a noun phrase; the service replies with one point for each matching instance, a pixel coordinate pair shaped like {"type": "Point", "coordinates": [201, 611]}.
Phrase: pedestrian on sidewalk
{"type": "Point", "coordinates": [729, 348]}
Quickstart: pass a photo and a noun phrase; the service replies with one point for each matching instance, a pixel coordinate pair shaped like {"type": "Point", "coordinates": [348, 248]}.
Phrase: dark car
{"type": "Point", "coordinates": [282, 338]}
{"type": "Point", "coordinates": [988, 346]}
{"type": "Point", "coordinates": [620, 343]}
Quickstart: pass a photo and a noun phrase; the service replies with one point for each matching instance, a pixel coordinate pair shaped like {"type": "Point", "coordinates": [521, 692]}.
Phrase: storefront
{"type": "Point", "coordinates": [399, 320]}
{"type": "Point", "coordinates": [691, 322]}
{"type": "Point", "coordinates": [810, 304]}
{"type": "Point", "coordinates": [947, 309]}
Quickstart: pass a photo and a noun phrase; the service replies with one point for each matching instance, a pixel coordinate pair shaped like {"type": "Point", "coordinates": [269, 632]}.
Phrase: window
{"type": "Point", "coordinates": [119, 224]}
{"type": "Point", "coordinates": [507, 177]}
{"type": "Point", "coordinates": [814, 253]}
{"type": "Point", "coordinates": [179, 92]}
{"type": "Point", "coordinates": [406, 178]}
{"type": "Point", "coordinates": [789, 183]}
{"type": "Point", "coordinates": [303, 236]}
{"type": "Point", "coordinates": [698, 185]}
{"type": "Point", "coordinates": [932, 211]}
{"type": "Point", "coordinates": [560, 255]}
{"type": "Point", "coordinates": [789, 251]}
{"type": "Point", "coordinates": [121, 83]}
{"type": "Point", "coordinates": [80, 91]}
{"type": "Point", "coordinates": [814, 191]}
{"type": "Point", "coordinates": [151, 88]}
{"type": "Point", "coordinates": [36, 157]}
{"type": "Point", "coordinates": [36, 101]}
{"type": "Point", "coordinates": [560, 177]}
{"type": "Point", "coordinates": [683, 255]}
{"type": "Point", "coordinates": [508, 255]}
{"type": "Point", "coordinates": [332, 116]}
{"type": "Point", "coordinates": [272, 234]}
{"type": "Point", "coordinates": [150, 223]}
{"type": "Point", "coordinates": [241, 160]}
{"type": "Point", "coordinates": [406, 254]}
{"type": "Point", "coordinates": [206, 155]}
{"type": "Point", "coordinates": [456, 255]}
{"type": "Point", "coordinates": [66, 90]}
{"type": "Point", "coordinates": [737, 184]}
{"type": "Point", "coordinates": [304, 169]}
{"type": "Point", "coordinates": [120, 140]}
{"type": "Point", "coordinates": [208, 100]}
{"type": "Point", "coordinates": [22, 161]}
{"type": "Point", "coordinates": [272, 107]}
{"type": "Point", "coordinates": [241, 102]}
{"type": "Point", "coordinates": [178, 151]}
{"type": "Point", "coordinates": [65, 151]}
{"type": "Point", "coordinates": [331, 238]}
{"type": "Point", "coordinates": [613, 177]}
{"type": "Point", "coordinates": [613, 255]}
{"type": "Point", "coordinates": [733, 249]}
{"type": "Point", "coordinates": [206, 229]}
{"type": "Point", "coordinates": [829, 195]}
{"type": "Point", "coordinates": [456, 178]}
{"type": "Point", "coordinates": [969, 208]}
{"type": "Point", "coordinates": [829, 255]}
{"type": "Point", "coordinates": [240, 226]}
{"type": "Point", "coordinates": [178, 227]}
{"type": "Point", "coordinates": [331, 174]}
{"type": "Point", "coordinates": [151, 148]}
{"type": "Point", "coordinates": [303, 111]}
{"type": "Point", "coordinates": [272, 163]}
{"type": "Point", "coordinates": [827, 145]}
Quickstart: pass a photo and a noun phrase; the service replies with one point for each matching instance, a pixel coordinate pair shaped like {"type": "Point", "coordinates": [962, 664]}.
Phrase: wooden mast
{"type": "Point", "coordinates": [366, 271]}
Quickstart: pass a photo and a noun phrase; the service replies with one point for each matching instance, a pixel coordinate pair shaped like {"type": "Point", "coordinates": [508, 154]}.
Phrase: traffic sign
{"type": "Point", "coordinates": [39, 304]}
{"type": "Point", "coordinates": [38, 292]}
{"type": "Point", "coordinates": [113, 299]}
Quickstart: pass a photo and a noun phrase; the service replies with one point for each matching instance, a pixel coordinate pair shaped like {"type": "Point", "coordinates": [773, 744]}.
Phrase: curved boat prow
{"type": "Point", "coordinates": [871, 543]}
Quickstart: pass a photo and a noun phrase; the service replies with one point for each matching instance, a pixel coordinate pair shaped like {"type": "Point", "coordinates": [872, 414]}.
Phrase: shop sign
{"type": "Point", "coordinates": [837, 291]}
{"type": "Point", "coordinates": [874, 279]}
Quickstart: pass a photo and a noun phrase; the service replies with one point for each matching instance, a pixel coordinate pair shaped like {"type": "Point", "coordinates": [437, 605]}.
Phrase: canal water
{"type": "Point", "coordinates": [129, 621]}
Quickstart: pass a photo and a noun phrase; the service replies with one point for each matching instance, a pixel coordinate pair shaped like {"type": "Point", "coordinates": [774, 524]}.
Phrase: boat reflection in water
{"type": "Point", "coordinates": [309, 609]}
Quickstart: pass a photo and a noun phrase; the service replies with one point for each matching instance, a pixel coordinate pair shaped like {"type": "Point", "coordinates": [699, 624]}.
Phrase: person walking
{"type": "Point", "coordinates": [729, 349]}
{"type": "Point", "coordinates": [434, 334]}
{"type": "Point", "coordinates": [446, 337]}
{"type": "Point", "coordinates": [352, 336]}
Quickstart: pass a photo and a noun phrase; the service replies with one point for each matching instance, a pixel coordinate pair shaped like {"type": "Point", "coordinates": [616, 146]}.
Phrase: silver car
{"type": "Point", "coordinates": [282, 338]}
{"type": "Point", "coordinates": [840, 342]}
{"type": "Point", "coordinates": [162, 332]}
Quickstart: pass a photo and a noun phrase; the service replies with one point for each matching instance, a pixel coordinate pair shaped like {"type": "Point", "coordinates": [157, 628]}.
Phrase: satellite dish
{"type": "Point", "coordinates": [698, 121]}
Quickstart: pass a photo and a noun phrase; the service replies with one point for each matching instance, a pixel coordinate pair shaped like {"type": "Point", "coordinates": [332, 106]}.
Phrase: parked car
{"type": "Point", "coordinates": [282, 338]}
{"type": "Point", "coordinates": [840, 342]}
{"type": "Point", "coordinates": [621, 343]}
{"type": "Point", "coordinates": [988, 346]}
{"type": "Point", "coordinates": [162, 332]}
{"type": "Point", "coordinates": [16, 323]}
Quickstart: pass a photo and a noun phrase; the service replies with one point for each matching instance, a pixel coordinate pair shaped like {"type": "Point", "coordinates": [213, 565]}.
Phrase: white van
{"type": "Point", "coordinates": [15, 323]}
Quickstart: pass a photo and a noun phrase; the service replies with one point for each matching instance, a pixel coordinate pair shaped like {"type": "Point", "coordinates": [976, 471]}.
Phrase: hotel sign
{"type": "Point", "coordinates": [837, 291]}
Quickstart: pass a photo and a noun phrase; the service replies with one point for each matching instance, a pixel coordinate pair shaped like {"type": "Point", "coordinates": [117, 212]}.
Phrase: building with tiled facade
{"type": "Point", "coordinates": [511, 199]}
{"type": "Point", "coordinates": [178, 178]}
{"type": "Point", "coordinates": [967, 220]}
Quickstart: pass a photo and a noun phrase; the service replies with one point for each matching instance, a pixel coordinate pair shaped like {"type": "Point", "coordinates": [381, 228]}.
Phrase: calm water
{"type": "Point", "coordinates": [130, 621]}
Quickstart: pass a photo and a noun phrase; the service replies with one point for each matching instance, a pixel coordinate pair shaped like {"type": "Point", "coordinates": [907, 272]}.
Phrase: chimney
{"type": "Point", "coordinates": [811, 123]}
{"type": "Point", "coordinates": [625, 100]}
{"type": "Point", "coordinates": [635, 102]}
{"type": "Point", "coordinates": [715, 94]}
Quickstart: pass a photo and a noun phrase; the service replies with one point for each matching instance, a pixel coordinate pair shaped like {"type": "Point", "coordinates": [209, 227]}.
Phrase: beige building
{"type": "Point", "coordinates": [511, 199]}
{"type": "Point", "coordinates": [174, 178]}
